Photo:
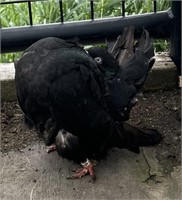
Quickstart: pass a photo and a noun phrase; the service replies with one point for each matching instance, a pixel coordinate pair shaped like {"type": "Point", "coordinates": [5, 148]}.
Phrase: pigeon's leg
{"type": "Point", "coordinates": [51, 148]}
{"type": "Point", "coordinates": [88, 168]}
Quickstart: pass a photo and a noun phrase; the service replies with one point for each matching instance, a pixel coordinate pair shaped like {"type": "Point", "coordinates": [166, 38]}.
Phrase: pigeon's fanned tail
{"type": "Point", "coordinates": [144, 45]}
{"type": "Point", "coordinates": [123, 47]}
{"type": "Point", "coordinates": [126, 46]}
{"type": "Point", "coordinates": [134, 56]}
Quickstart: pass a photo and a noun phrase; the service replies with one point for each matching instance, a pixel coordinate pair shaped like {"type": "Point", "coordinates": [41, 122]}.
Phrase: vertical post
{"type": "Point", "coordinates": [155, 6]}
{"type": "Point", "coordinates": [123, 7]}
{"type": "Point", "coordinates": [30, 12]}
{"type": "Point", "coordinates": [61, 10]}
{"type": "Point", "coordinates": [175, 38]}
{"type": "Point", "coordinates": [92, 9]}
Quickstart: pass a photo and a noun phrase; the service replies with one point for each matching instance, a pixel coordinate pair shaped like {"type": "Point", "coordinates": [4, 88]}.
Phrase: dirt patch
{"type": "Point", "coordinates": [14, 134]}
{"type": "Point", "coordinates": [160, 110]}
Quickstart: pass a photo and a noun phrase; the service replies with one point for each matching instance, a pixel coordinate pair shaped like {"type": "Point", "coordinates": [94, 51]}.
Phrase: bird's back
{"type": "Point", "coordinates": [59, 86]}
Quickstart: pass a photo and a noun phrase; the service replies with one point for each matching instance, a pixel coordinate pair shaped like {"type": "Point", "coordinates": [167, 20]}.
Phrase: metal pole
{"type": "Point", "coordinates": [175, 39]}
{"type": "Point", "coordinates": [92, 9]}
{"type": "Point", "coordinates": [19, 38]}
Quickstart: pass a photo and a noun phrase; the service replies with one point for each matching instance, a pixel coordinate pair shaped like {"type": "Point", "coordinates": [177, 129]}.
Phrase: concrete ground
{"type": "Point", "coordinates": [33, 174]}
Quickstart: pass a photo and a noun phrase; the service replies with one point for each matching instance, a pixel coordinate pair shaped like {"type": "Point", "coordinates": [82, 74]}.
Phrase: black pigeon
{"type": "Point", "coordinates": [64, 94]}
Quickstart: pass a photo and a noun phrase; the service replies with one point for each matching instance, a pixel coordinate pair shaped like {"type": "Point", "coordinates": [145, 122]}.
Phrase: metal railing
{"type": "Point", "coordinates": [89, 31]}
{"type": "Point", "coordinates": [29, 4]}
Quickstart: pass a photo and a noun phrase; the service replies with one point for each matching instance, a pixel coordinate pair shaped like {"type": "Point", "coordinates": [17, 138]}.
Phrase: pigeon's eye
{"type": "Point", "coordinates": [98, 60]}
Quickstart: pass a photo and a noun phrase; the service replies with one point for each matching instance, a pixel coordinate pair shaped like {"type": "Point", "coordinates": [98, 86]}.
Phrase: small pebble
{"type": "Point", "coordinates": [175, 108]}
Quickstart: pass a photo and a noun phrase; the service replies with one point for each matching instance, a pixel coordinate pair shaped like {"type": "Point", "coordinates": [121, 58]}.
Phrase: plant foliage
{"type": "Point", "coordinates": [48, 11]}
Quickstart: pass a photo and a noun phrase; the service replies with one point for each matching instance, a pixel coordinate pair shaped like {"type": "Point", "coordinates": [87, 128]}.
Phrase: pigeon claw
{"type": "Point", "coordinates": [88, 168]}
{"type": "Point", "coordinates": [51, 148]}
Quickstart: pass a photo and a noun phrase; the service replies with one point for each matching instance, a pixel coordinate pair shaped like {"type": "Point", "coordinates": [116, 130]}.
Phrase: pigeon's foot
{"type": "Point", "coordinates": [51, 148]}
{"type": "Point", "coordinates": [88, 168]}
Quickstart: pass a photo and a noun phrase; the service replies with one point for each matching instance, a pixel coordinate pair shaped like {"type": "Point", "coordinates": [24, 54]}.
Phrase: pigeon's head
{"type": "Point", "coordinates": [67, 145]}
{"type": "Point", "coordinates": [104, 59]}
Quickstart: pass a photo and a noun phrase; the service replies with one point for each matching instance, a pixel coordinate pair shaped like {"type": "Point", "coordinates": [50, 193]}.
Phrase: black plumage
{"type": "Point", "coordinates": [59, 86]}
{"type": "Point", "coordinates": [75, 99]}
{"type": "Point", "coordinates": [126, 69]}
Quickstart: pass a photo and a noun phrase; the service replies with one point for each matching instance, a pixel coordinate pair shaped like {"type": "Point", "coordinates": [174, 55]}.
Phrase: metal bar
{"type": "Point", "coordinates": [175, 39]}
{"type": "Point", "coordinates": [19, 1]}
{"type": "Point", "coordinates": [12, 2]}
{"type": "Point", "coordinates": [30, 12]}
{"type": "Point", "coordinates": [61, 10]}
{"type": "Point", "coordinates": [92, 9]}
{"type": "Point", "coordinates": [155, 6]}
{"type": "Point", "coordinates": [17, 39]}
{"type": "Point", "coordinates": [123, 7]}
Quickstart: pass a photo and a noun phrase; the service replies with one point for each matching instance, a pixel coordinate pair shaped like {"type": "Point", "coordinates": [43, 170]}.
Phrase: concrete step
{"type": "Point", "coordinates": [163, 76]}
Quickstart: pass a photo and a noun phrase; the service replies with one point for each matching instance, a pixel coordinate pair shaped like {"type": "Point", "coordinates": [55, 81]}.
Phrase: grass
{"type": "Point", "coordinates": [47, 11]}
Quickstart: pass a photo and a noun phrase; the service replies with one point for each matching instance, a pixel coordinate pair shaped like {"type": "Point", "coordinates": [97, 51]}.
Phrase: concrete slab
{"type": "Point", "coordinates": [7, 71]}
{"type": "Point", "coordinates": [33, 174]}
{"type": "Point", "coordinates": [163, 75]}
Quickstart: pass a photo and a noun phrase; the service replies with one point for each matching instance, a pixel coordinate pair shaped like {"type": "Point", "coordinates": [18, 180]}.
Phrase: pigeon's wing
{"type": "Point", "coordinates": [61, 87]}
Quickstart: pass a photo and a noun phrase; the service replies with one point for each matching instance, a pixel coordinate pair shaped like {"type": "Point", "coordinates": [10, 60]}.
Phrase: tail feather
{"type": "Point", "coordinates": [123, 48]}
{"type": "Point", "coordinates": [131, 137]}
{"type": "Point", "coordinates": [144, 45]}
{"type": "Point", "coordinates": [126, 46]}
{"type": "Point", "coordinates": [135, 57]}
